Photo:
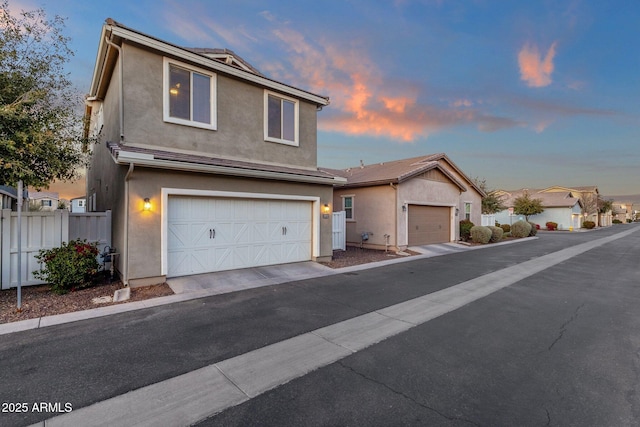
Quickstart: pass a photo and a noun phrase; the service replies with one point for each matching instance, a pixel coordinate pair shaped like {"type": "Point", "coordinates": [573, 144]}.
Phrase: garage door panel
{"type": "Point", "coordinates": [248, 233]}
{"type": "Point", "coordinates": [429, 224]}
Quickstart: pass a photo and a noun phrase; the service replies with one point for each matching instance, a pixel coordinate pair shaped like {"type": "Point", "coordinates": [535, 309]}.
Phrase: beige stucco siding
{"type": "Point", "coordinates": [240, 118]}
{"type": "Point", "coordinates": [145, 240]}
{"type": "Point", "coordinates": [374, 213]}
{"type": "Point", "coordinates": [425, 192]}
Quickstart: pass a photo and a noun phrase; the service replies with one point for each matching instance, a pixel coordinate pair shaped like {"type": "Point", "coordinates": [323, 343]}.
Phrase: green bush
{"type": "Point", "coordinates": [71, 266]}
{"type": "Point", "coordinates": [616, 221]}
{"type": "Point", "coordinates": [480, 234]}
{"type": "Point", "coordinates": [534, 229]}
{"type": "Point", "coordinates": [551, 225]}
{"type": "Point", "coordinates": [465, 230]}
{"type": "Point", "coordinates": [505, 227]}
{"type": "Point", "coordinates": [520, 229]}
{"type": "Point", "coordinates": [507, 234]}
{"type": "Point", "coordinates": [496, 234]}
{"type": "Point", "coordinates": [588, 225]}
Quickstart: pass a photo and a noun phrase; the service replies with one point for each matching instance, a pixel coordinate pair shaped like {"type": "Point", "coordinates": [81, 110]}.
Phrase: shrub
{"type": "Point", "coordinates": [551, 225]}
{"type": "Point", "coordinates": [520, 229]}
{"type": "Point", "coordinates": [465, 230]}
{"type": "Point", "coordinates": [496, 234]}
{"type": "Point", "coordinates": [628, 220]}
{"type": "Point", "coordinates": [507, 234]}
{"type": "Point", "coordinates": [616, 221]}
{"type": "Point", "coordinates": [505, 227]}
{"type": "Point", "coordinates": [480, 234]}
{"type": "Point", "coordinates": [588, 225]}
{"type": "Point", "coordinates": [534, 229]}
{"type": "Point", "coordinates": [70, 266]}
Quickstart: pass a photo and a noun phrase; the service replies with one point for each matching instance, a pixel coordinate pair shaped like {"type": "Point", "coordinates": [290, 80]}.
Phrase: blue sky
{"type": "Point", "coordinates": [522, 94]}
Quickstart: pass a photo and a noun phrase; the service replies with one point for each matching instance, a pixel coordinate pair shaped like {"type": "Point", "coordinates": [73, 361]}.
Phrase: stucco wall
{"type": "Point", "coordinates": [240, 118]}
{"type": "Point", "coordinates": [374, 213]}
{"type": "Point", "coordinates": [144, 257]}
{"type": "Point", "coordinates": [564, 217]}
{"type": "Point", "coordinates": [425, 192]}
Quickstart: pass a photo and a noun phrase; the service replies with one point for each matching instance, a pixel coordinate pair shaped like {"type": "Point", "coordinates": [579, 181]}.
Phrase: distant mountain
{"type": "Point", "coordinates": [633, 198]}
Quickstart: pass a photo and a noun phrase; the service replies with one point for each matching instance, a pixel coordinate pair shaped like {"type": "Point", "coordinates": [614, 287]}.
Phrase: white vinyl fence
{"type": "Point", "coordinates": [340, 230]}
{"type": "Point", "coordinates": [45, 230]}
{"type": "Point", "coordinates": [488, 220]}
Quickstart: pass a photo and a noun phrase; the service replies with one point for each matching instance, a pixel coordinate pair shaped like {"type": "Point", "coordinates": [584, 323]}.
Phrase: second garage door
{"type": "Point", "coordinates": [207, 234]}
{"type": "Point", "coordinates": [429, 224]}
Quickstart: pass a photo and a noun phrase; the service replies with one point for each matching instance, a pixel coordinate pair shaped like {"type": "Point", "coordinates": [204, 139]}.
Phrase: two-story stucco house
{"type": "Point", "coordinates": [206, 164]}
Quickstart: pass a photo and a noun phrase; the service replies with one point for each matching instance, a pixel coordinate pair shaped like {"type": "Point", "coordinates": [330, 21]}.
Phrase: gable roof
{"type": "Point", "coordinates": [398, 171]}
{"type": "Point", "coordinates": [553, 199]}
{"type": "Point", "coordinates": [585, 189]}
{"type": "Point", "coordinates": [226, 56]}
{"type": "Point", "coordinates": [37, 195]}
{"type": "Point", "coordinates": [114, 33]}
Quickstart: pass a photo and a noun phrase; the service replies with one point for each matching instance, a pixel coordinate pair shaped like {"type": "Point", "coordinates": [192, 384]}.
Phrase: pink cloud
{"type": "Point", "coordinates": [363, 101]}
{"type": "Point", "coordinates": [534, 69]}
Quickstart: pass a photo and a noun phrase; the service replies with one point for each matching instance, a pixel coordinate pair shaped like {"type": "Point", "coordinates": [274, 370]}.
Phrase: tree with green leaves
{"type": "Point", "coordinates": [40, 112]}
{"type": "Point", "coordinates": [527, 206]}
{"type": "Point", "coordinates": [492, 202]}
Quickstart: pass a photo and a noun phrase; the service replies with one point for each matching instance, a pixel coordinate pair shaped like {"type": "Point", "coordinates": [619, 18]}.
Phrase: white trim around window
{"type": "Point", "coordinates": [198, 102]}
{"type": "Point", "coordinates": [350, 211]}
{"type": "Point", "coordinates": [467, 210]}
{"type": "Point", "coordinates": [284, 126]}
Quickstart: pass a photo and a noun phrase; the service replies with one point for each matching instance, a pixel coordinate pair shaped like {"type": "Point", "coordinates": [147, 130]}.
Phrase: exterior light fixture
{"type": "Point", "coordinates": [404, 208]}
{"type": "Point", "coordinates": [326, 209]}
{"type": "Point", "coordinates": [147, 204]}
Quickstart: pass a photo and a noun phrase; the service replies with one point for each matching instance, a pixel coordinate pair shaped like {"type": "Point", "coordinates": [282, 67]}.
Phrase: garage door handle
{"type": "Point", "coordinates": [212, 233]}
{"type": "Point", "coordinates": [284, 231]}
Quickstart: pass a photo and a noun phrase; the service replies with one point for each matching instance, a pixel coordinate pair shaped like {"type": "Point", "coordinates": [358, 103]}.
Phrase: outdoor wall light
{"type": "Point", "coordinates": [147, 204]}
{"type": "Point", "coordinates": [326, 208]}
{"type": "Point", "coordinates": [404, 208]}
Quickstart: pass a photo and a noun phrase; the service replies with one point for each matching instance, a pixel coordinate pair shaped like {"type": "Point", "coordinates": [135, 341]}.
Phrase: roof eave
{"type": "Point", "coordinates": [148, 160]}
{"type": "Point", "coordinates": [115, 30]}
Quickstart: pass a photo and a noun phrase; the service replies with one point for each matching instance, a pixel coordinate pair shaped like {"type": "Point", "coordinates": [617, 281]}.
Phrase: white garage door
{"type": "Point", "coordinates": [208, 234]}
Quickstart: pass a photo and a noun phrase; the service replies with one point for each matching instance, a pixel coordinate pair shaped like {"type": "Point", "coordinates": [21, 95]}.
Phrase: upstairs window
{"type": "Point", "coordinates": [281, 119]}
{"type": "Point", "coordinates": [189, 95]}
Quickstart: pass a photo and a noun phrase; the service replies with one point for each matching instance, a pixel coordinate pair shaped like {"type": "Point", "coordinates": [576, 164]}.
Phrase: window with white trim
{"type": "Point", "coordinates": [189, 95]}
{"type": "Point", "coordinates": [46, 203]}
{"type": "Point", "coordinates": [347, 207]}
{"type": "Point", "coordinates": [81, 203]}
{"type": "Point", "coordinates": [467, 211]}
{"type": "Point", "coordinates": [280, 119]}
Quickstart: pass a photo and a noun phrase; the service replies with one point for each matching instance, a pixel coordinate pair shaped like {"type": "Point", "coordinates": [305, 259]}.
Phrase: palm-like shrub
{"type": "Point", "coordinates": [520, 229]}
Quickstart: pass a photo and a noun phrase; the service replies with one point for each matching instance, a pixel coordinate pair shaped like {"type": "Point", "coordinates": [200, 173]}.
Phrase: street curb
{"type": "Point", "coordinates": [58, 319]}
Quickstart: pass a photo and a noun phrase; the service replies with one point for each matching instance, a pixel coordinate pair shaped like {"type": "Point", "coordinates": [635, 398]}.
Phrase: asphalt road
{"type": "Point", "coordinates": [561, 347]}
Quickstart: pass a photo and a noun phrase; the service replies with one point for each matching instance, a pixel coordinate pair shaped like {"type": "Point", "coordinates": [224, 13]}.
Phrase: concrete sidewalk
{"type": "Point", "coordinates": [199, 394]}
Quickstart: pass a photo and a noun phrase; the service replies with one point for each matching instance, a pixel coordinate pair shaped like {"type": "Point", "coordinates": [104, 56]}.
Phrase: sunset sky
{"type": "Point", "coordinates": [520, 93]}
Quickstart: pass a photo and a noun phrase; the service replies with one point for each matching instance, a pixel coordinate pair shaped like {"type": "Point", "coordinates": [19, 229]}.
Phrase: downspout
{"type": "Point", "coordinates": [395, 219]}
{"type": "Point", "coordinates": [125, 249]}
{"type": "Point", "coordinates": [120, 85]}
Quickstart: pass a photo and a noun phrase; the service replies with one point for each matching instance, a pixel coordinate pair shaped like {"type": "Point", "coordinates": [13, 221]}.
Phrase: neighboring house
{"type": "Point", "coordinates": [624, 211]}
{"type": "Point", "coordinates": [561, 207]}
{"type": "Point", "coordinates": [408, 202]}
{"type": "Point", "coordinates": [206, 164]}
{"type": "Point", "coordinates": [589, 197]}
{"type": "Point", "coordinates": [78, 205]}
{"type": "Point", "coordinates": [44, 200]}
{"type": "Point", "coordinates": [8, 197]}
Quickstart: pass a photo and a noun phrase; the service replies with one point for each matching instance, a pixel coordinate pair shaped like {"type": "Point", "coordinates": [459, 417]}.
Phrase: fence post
{"type": "Point", "coordinates": [5, 249]}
